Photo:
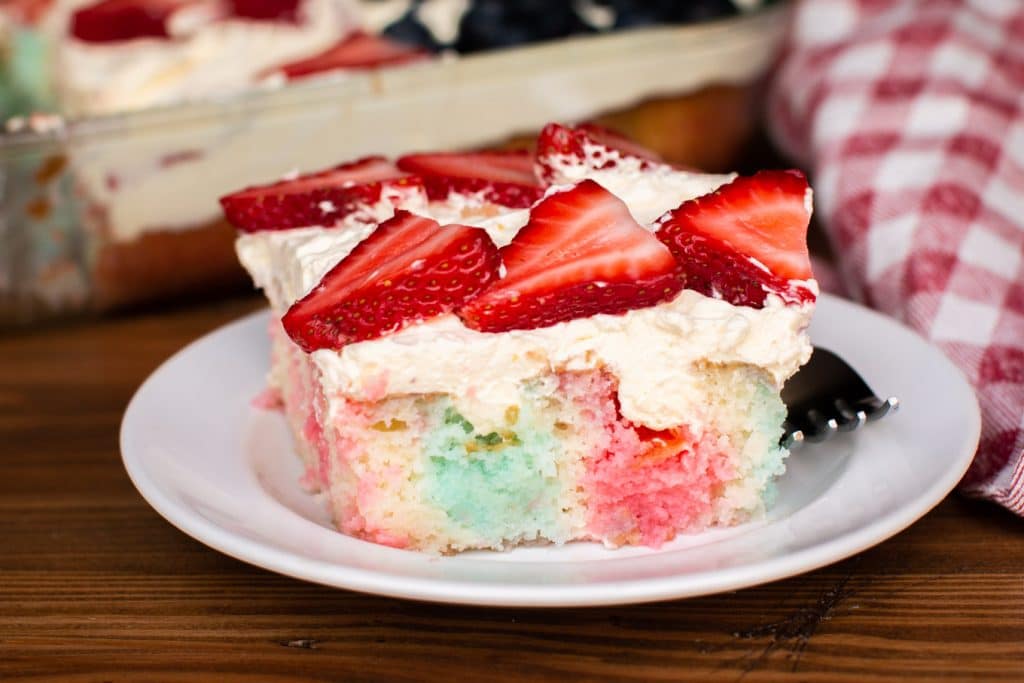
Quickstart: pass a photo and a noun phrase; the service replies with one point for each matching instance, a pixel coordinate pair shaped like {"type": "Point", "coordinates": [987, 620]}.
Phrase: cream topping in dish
{"type": "Point", "coordinates": [202, 59]}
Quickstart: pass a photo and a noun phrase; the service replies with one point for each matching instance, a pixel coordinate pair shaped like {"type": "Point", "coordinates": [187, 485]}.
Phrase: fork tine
{"type": "Point", "coordinates": [828, 425]}
{"type": "Point", "coordinates": [791, 436]}
{"type": "Point", "coordinates": [851, 418]}
{"type": "Point", "coordinates": [828, 396]}
{"type": "Point", "coordinates": [818, 426]}
{"type": "Point", "coordinates": [876, 408]}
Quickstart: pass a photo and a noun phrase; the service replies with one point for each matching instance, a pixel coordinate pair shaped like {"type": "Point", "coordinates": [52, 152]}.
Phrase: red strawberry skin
{"type": "Point", "coordinates": [322, 198]}
{"type": "Point", "coordinates": [580, 254]}
{"type": "Point", "coordinates": [558, 141]}
{"type": "Point", "coordinates": [744, 240]}
{"type": "Point", "coordinates": [408, 270]}
{"type": "Point", "coordinates": [505, 178]}
{"type": "Point", "coordinates": [505, 194]}
{"type": "Point", "coordinates": [266, 10]}
{"type": "Point", "coordinates": [356, 51]}
{"type": "Point", "coordinates": [617, 141]}
{"type": "Point", "coordinates": [117, 20]}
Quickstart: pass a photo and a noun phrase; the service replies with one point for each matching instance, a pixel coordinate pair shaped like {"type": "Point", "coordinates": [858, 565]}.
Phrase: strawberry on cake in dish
{"type": "Point", "coordinates": [121, 55]}
{"type": "Point", "coordinates": [602, 363]}
{"type": "Point", "coordinates": [490, 349]}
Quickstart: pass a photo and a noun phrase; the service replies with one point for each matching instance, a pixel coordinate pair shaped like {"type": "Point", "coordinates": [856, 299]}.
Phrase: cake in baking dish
{"type": "Point", "coordinates": [133, 116]}
{"type": "Point", "coordinates": [482, 350]}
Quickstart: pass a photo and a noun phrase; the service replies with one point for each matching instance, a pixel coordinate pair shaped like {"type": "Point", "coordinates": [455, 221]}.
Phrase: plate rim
{"type": "Point", "coordinates": [430, 589]}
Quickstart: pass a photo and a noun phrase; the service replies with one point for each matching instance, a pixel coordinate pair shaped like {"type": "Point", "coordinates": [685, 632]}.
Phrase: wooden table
{"type": "Point", "coordinates": [94, 586]}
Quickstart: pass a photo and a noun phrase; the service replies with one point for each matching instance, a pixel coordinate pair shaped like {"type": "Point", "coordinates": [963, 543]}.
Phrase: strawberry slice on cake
{"type": "Point", "coordinates": [408, 270]}
{"type": "Point", "coordinates": [580, 254]}
{"type": "Point", "coordinates": [266, 10]}
{"type": "Point", "coordinates": [118, 20]}
{"type": "Point", "coordinates": [505, 178]}
{"type": "Point", "coordinates": [590, 147]}
{"type": "Point", "coordinates": [745, 240]}
{"type": "Point", "coordinates": [323, 198]}
{"type": "Point", "coordinates": [356, 51]}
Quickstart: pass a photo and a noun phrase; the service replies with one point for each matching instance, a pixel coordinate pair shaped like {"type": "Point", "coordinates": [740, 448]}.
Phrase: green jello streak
{"type": "Point", "coordinates": [498, 484]}
{"type": "Point", "coordinates": [769, 421]}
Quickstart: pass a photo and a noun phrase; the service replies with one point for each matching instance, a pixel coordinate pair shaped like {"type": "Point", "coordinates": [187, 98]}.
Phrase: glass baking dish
{"type": "Point", "coordinates": [109, 212]}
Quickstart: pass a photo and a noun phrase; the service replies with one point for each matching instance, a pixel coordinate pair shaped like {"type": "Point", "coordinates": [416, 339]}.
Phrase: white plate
{"type": "Point", "coordinates": [223, 472]}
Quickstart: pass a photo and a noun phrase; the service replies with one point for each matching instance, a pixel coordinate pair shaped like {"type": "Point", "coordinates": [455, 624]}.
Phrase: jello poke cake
{"type": "Point", "coordinates": [487, 349]}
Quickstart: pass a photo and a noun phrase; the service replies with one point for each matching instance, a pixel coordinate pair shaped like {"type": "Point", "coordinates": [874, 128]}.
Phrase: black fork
{"type": "Point", "coordinates": [825, 397]}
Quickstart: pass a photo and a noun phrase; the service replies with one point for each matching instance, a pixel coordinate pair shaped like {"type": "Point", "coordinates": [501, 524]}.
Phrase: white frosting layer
{"type": "Point", "coordinates": [203, 59]}
{"type": "Point", "coordinates": [652, 351]}
{"type": "Point", "coordinates": [649, 189]}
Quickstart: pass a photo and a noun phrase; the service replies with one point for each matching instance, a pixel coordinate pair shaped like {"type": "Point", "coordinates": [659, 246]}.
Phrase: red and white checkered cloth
{"type": "Point", "coordinates": [910, 116]}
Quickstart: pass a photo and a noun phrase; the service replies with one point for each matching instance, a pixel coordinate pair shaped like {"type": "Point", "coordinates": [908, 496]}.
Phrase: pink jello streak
{"type": "Point", "coordinates": [356, 497]}
{"type": "Point", "coordinates": [643, 487]}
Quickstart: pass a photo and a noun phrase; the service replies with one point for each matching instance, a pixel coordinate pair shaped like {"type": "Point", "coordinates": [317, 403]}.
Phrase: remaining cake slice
{"type": "Point", "coordinates": [603, 364]}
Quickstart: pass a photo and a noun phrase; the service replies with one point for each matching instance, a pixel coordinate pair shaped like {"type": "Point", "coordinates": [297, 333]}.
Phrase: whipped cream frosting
{"type": "Point", "coordinates": [648, 188]}
{"type": "Point", "coordinates": [202, 59]}
{"type": "Point", "coordinates": [652, 351]}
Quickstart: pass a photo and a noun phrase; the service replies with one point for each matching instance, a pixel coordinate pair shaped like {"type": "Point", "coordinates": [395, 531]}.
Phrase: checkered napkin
{"type": "Point", "coordinates": [910, 116]}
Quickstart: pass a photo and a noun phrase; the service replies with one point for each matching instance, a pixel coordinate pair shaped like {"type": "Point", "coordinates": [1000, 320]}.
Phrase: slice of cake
{"type": "Point", "coordinates": [483, 350]}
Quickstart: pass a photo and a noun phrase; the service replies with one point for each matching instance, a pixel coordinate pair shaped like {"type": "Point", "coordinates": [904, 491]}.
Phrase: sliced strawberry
{"type": "Point", "coordinates": [744, 239]}
{"type": "Point", "coordinates": [266, 10]}
{"type": "Point", "coordinates": [504, 178]}
{"type": "Point", "coordinates": [408, 270]}
{"type": "Point", "coordinates": [606, 137]}
{"type": "Point", "coordinates": [322, 198]}
{"type": "Point", "coordinates": [580, 254]}
{"type": "Point", "coordinates": [117, 20]}
{"type": "Point", "coordinates": [590, 146]}
{"type": "Point", "coordinates": [356, 51]}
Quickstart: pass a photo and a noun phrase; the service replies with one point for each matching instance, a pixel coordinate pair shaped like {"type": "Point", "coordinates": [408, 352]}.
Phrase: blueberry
{"type": "Point", "coordinates": [490, 24]}
{"type": "Point", "coordinates": [699, 10]}
{"type": "Point", "coordinates": [636, 13]}
{"type": "Point", "coordinates": [481, 27]}
{"type": "Point", "coordinates": [410, 31]}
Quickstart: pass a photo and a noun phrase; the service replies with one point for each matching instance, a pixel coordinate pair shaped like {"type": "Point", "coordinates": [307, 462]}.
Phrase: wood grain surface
{"type": "Point", "coordinates": [95, 586]}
